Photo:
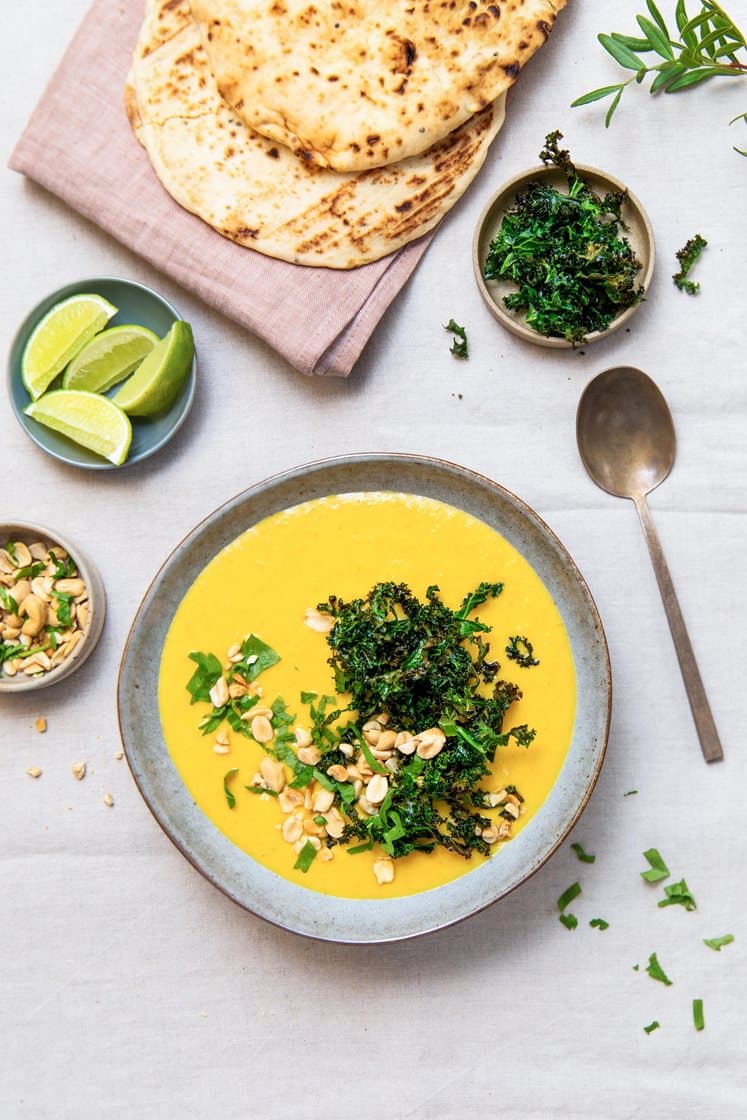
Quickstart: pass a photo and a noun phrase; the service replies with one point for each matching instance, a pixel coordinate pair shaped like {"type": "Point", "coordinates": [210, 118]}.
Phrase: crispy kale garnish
{"type": "Point", "coordinates": [459, 347]}
{"type": "Point", "coordinates": [687, 257]}
{"type": "Point", "coordinates": [574, 269]}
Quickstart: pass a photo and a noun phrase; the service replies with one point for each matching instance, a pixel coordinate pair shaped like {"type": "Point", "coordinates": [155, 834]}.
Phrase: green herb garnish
{"type": "Point", "coordinates": [585, 857]}
{"type": "Point", "coordinates": [599, 923]}
{"type": "Point", "coordinates": [698, 1019]}
{"type": "Point", "coordinates": [656, 972]}
{"type": "Point", "coordinates": [8, 602]}
{"type": "Point", "coordinates": [570, 921]}
{"type": "Point", "coordinates": [630, 792]}
{"type": "Point", "coordinates": [568, 895]}
{"type": "Point", "coordinates": [229, 795]}
{"type": "Point", "coordinates": [658, 870]}
{"type": "Point", "coordinates": [678, 894]}
{"type": "Point", "coordinates": [652, 1026]}
{"type": "Point", "coordinates": [704, 46]}
{"type": "Point", "coordinates": [574, 269]}
{"type": "Point", "coordinates": [31, 571]}
{"type": "Point", "coordinates": [521, 651]}
{"type": "Point", "coordinates": [64, 615]}
{"type": "Point", "coordinates": [306, 857]}
{"type": "Point", "coordinates": [459, 343]}
{"type": "Point", "coordinates": [687, 257]}
{"type": "Point", "coordinates": [10, 548]}
{"type": "Point", "coordinates": [207, 673]}
{"type": "Point", "coordinates": [718, 942]}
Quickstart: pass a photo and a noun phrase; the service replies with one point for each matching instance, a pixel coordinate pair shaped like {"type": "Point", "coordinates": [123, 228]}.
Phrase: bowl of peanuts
{"type": "Point", "coordinates": [52, 607]}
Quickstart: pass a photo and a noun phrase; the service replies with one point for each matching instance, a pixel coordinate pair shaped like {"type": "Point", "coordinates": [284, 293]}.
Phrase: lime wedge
{"type": "Point", "coordinates": [108, 358]}
{"type": "Point", "coordinates": [58, 337]}
{"type": "Point", "coordinates": [86, 418]}
{"type": "Point", "coordinates": [160, 377]}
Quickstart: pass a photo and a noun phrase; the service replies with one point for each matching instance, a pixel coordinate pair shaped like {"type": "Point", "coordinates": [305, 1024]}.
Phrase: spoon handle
{"type": "Point", "coordinates": [706, 728]}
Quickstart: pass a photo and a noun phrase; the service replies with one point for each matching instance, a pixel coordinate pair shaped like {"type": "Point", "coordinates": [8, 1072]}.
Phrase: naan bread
{"type": "Point", "coordinates": [257, 192]}
{"type": "Point", "coordinates": [354, 84]}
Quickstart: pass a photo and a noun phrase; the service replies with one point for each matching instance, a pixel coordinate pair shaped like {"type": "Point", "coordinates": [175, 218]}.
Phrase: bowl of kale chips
{"type": "Point", "coordinates": [563, 255]}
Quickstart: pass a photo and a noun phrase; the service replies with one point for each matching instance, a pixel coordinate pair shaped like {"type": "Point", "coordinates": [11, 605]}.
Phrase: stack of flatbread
{"type": "Point", "coordinates": [326, 132]}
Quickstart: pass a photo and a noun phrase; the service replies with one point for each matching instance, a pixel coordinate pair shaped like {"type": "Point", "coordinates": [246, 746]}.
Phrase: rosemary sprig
{"type": "Point", "coordinates": [706, 45]}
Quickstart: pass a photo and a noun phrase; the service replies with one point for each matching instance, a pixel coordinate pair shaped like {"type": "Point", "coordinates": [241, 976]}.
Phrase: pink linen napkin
{"type": "Point", "coordinates": [79, 145]}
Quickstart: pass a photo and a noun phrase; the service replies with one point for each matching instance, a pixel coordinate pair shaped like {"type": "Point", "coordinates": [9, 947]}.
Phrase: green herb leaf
{"type": "Point", "coordinates": [652, 1026]}
{"type": "Point", "coordinates": [570, 921]}
{"type": "Point", "coordinates": [678, 894]}
{"type": "Point", "coordinates": [656, 972]}
{"type": "Point", "coordinates": [31, 571]}
{"type": "Point", "coordinates": [659, 869]}
{"type": "Point", "coordinates": [597, 95]}
{"type": "Point", "coordinates": [568, 895]}
{"type": "Point", "coordinates": [259, 790]}
{"type": "Point", "coordinates": [658, 39]}
{"type": "Point", "coordinates": [687, 256]}
{"type": "Point", "coordinates": [599, 923]}
{"type": "Point", "coordinates": [717, 943]}
{"type": "Point", "coordinates": [622, 54]}
{"type": "Point", "coordinates": [585, 857]}
{"type": "Point", "coordinates": [8, 602]}
{"type": "Point", "coordinates": [208, 670]}
{"type": "Point", "coordinates": [256, 656]}
{"type": "Point", "coordinates": [10, 548]}
{"type": "Point", "coordinates": [520, 650]}
{"type": "Point", "coordinates": [64, 601]}
{"type": "Point", "coordinates": [306, 857]}
{"type": "Point", "coordinates": [630, 792]}
{"type": "Point", "coordinates": [229, 795]}
{"type": "Point", "coordinates": [373, 762]}
{"type": "Point", "coordinates": [459, 346]}
{"type": "Point", "coordinates": [698, 1019]}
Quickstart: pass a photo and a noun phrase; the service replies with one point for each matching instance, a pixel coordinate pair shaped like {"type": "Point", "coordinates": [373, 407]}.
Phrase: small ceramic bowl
{"type": "Point", "coordinates": [29, 534]}
{"type": "Point", "coordinates": [136, 304]}
{"type": "Point", "coordinates": [638, 231]}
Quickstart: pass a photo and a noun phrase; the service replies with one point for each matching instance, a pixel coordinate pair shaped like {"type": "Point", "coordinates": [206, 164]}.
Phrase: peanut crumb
{"type": "Point", "coordinates": [119, 756]}
{"type": "Point", "coordinates": [40, 724]}
{"type": "Point", "coordinates": [79, 770]}
{"type": "Point", "coordinates": [108, 800]}
{"type": "Point", "coordinates": [34, 772]}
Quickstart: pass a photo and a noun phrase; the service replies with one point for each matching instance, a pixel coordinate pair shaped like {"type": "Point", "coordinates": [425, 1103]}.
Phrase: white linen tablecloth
{"type": "Point", "coordinates": [130, 986]}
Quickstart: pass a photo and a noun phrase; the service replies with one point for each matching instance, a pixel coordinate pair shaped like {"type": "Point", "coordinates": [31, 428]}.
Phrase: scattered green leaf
{"type": "Point", "coordinates": [652, 1026]}
{"type": "Point", "coordinates": [717, 943]}
{"type": "Point", "coordinates": [678, 894]}
{"type": "Point", "coordinates": [306, 857]}
{"type": "Point", "coordinates": [656, 972]}
{"type": "Point", "coordinates": [599, 923]}
{"type": "Point", "coordinates": [568, 895]}
{"type": "Point", "coordinates": [630, 792]}
{"type": "Point", "coordinates": [459, 346]}
{"type": "Point", "coordinates": [687, 256]}
{"type": "Point", "coordinates": [658, 870]}
{"type": "Point", "coordinates": [585, 857]}
{"type": "Point", "coordinates": [230, 798]}
{"type": "Point", "coordinates": [208, 670]}
{"type": "Point", "coordinates": [521, 651]}
{"type": "Point", "coordinates": [570, 921]}
{"type": "Point", "coordinates": [698, 1019]}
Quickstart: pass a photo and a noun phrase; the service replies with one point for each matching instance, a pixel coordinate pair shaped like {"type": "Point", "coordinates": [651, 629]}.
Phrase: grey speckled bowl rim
{"type": "Point", "coordinates": [168, 424]}
{"type": "Point", "coordinates": [252, 885]}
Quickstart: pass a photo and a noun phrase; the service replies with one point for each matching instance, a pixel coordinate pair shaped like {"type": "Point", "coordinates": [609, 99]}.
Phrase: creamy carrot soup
{"type": "Point", "coordinates": [264, 583]}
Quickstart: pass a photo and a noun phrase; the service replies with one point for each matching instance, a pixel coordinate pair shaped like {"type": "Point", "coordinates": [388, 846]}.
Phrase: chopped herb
{"type": "Point", "coordinates": [306, 857]}
{"type": "Point", "coordinates": [630, 792]}
{"type": "Point", "coordinates": [678, 894]}
{"type": "Point", "coordinates": [256, 656]}
{"type": "Point", "coordinates": [585, 857]}
{"type": "Point", "coordinates": [31, 571]}
{"type": "Point", "coordinates": [636, 967]}
{"type": "Point", "coordinates": [698, 1020]}
{"type": "Point", "coordinates": [574, 269]}
{"type": "Point", "coordinates": [658, 870]}
{"type": "Point", "coordinates": [358, 848]}
{"type": "Point", "coordinates": [64, 600]}
{"type": "Point", "coordinates": [568, 895]}
{"type": "Point", "coordinates": [8, 602]}
{"type": "Point", "coordinates": [10, 548]}
{"type": "Point", "coordinates": [687, 257]}
{"type": "Point", "coordinates": [373, 762]}
{"type": "Point", "coordinates": [229, 795]}
{"type": "Point", "coordinates": [208, 671]}
{"type": "Point", "coordinates": [320, 820]}
{"type": "Point", "coordinates": [718, 942]}
{"type": "Point", "coordinates": [599, 923]}
{"type": "Point", "coordinates": [570, 921]}
{"type": "Point", "coordinates": [520, 650]}
{"type": "Point", "coordinates": [652, 1026]}
{"type": "Point", "coordinates": [656, 972]}
{"type": "Point", "coordinates": [459, 342]}
{"type": "Point", "coordinates": [260, 790]}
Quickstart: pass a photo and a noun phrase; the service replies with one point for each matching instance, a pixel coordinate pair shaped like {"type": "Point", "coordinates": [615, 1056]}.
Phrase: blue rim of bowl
{"type": "Point", "coordinates": [40, 435]}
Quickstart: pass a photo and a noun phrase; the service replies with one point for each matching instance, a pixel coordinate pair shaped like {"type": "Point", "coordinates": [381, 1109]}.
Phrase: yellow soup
{"type": "Point", "coordinates": [343, 545]}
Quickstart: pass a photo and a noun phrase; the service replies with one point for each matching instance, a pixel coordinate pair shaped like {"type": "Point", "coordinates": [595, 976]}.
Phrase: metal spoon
{"type": "Point", "coordinates": [627, 443]}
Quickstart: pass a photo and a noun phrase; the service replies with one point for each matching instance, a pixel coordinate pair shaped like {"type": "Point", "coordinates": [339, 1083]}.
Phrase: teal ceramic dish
{"type": "Point", "coordinates": [254, 886]}
{"type": "Point", "coordinates": [136, 304]}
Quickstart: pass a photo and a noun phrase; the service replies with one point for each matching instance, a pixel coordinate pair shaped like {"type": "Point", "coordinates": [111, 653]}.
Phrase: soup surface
{"type": "Point", "coordinates": [263, 583]}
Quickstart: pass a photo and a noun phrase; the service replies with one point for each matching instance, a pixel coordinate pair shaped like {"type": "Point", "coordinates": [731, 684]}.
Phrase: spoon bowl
{"type": "Point", "coordinates": [625, 432]}
{"type": "Point", "coordinates": [626, 440]}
